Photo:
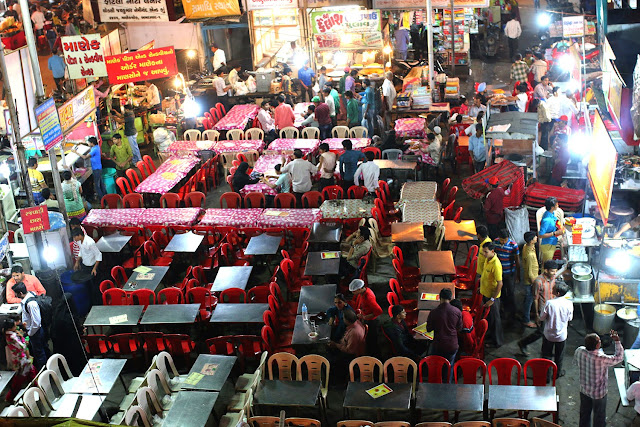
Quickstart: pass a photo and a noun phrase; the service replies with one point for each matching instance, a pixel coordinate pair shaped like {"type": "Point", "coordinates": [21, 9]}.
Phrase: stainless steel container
{"type": "Point", "coordinates": [582, 285]}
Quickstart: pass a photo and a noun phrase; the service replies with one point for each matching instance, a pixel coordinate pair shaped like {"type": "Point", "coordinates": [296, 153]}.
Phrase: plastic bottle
{"type": "Point", "coordinates": [305, 313]}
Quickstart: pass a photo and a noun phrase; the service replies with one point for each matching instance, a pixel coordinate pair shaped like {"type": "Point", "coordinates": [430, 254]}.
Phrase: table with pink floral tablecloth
{"type": "Point", "coordinates": [301, 107]}
{"type": "Point", "coordinates": [238, 146]}
{"type": "Point", "coordinates": [358, 143]}
{"type": "Point", "coordinates": [231, 217]}
{"type": "Point", "coordinates": [289, 217]}
{"type": "Point", "coordinates": [237, 117]}
{"type": "Point", "coordinates": [191, 147]}
{"type": "Point", "coordinates": [287, 144]}
{"type": "Point", "coordinates": [113, 217]}
{"type": "Point", "coordinates": [169, 216]}
{"type": "Point", "coordinates": [258, 188]}
{"type": "Point", "coordinates": [266, 163]}
{"type": "Point", "coordinates": [412, 127]}
{"type": "Point", "coordinates": [168, 175]}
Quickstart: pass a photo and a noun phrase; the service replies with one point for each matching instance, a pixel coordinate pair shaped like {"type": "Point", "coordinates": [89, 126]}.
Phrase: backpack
{"type": "Point", "coordinates": [46, 309]}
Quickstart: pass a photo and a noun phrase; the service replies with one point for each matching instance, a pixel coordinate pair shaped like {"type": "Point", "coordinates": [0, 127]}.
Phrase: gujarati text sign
{"type": "Point", "coordinates": [142, 65]}
{"type": "Point", "coordinates": [49, 123]}
{"type": "Point", "coordinates": [35, 219]}
{"type": "Point", "coordinates": [420, 4]}
{"type": "Point", "coordinates": [84, 56]}
{"type": "Point", "coordinates": [349, 21]}
{"type": "Point", "coordinates": [270, 4]}
{"type": "Point", "coordinates": [197, 9]}
{"type": "Point", "coordinates": [132, 10]}
{"type": "Point", "coordinates": [573, 26]}
{"type": "Point", "coordinates": [77, 108]}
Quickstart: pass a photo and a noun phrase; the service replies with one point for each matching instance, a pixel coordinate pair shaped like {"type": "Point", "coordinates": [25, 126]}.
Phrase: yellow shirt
{"type": "Point", "coordinates": [481, 258]}
{"type": "Point", "coordinates": [530, 264]}
{"type": "Point", "coordinates": [491, 274]}
{"type": "Point", "coordinates": [37, 179]}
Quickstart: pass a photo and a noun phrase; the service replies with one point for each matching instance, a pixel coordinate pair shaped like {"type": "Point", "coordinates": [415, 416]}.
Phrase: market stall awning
{"type": "Point", "coordinates": [507, 173]}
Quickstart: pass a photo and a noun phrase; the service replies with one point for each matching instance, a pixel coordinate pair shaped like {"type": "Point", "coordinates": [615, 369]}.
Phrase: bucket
{"type": "Point", "coordinates": [109, 179]}
{"type": "Point", "coordinates": [79, 292]}
{"type": "Point", "coordinates": [631, 328]}
{"type": "Point", "coordinates": [603, 317]}
{"type": "Point", "coordinates": [582, 285]}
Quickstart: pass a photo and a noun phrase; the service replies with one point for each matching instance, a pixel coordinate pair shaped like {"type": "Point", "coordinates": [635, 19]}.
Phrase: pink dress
{"type": "Point", "coordinates": [19, 361]}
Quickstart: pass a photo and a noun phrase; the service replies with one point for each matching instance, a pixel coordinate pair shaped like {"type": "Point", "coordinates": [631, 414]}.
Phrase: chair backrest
{"type": "Point", "coordinates": [49, 383]}
{"type": "Point", "coordinates": [251, 157]}
{"type": "Point", "coordinates": [312, 199]}
{"type": "Point", "coordinates": [315, 367]}
{"type": "Point", "coordinates": [332, 192]}
{"type": "Point", "coordinates": [340, 132]}
{"type": "Point", "coordinates": [194, 199]}
{"type": "Point", "coordinates": [473, 424]}
{"type": "Point", "coordinates": [437, 368]}
{"type": "Point", "coordinates": [18, 411]}
{"type": "Point", "coordinates": [170, 200]}
{"type": "Point", "coordinates": [392, 424]}
{"type": "Point", "coordinates": [255, 200]}
{"type": "Point", "coordinates": [400, 369]}
{"type": "Point", "coordinates": [356, 192]}
{"type": "Point", "coordinates": [171, 295]}
{"type": "Point", "coordinates": [222, 345]}
{"type": "Point", "coordinates": [124, 185]}
{"type": "Point", "coordinates": [36, 402]}
{"type": "Point", "coordinates": [165, 364]}
{"type": "Point", "coordinates": [310, 133]}
{"type": "Point", "coordinates": [537, 422]}
{"type": "Point", "coordinates": [392, 154]}
{"type": "Point", "coordinates": [510, 422]}
{"type": "Point", "coordinates": [192, 135]}
{"type": "Point", "coordinates": [148, 401]}
{"type": "Point", "coordinates": [264, 421]}
{"type": "Point", "coordinates": [58, 363]}
{"type": "Point", "coordinates": [287, 365]}
{"type": "Point", "coordinates": [233, 295]}
{"type": "Point", "coordinates": [143, 297]}
{"type": "Point", "coordinates": [434, 424]}
{"type": "Point", "coordinates": [359, 132]}
{"type": "Point", "coordinates": [133, 200]}
{"type": "Point", "coordinates": [149, 162]}
{"type": "Point", "coordinates": [355, 423]}
{"type": "Point", "coordinates": [285, 200]}
{"type": "Point", "coordinates": [289, 132]}
{"type": "Point", "coordinates": [158, 383]}
{"type": "Point", "coordinates": [144, 169]}
{"type": "Point", "coordinates": [115, 296]}
{"type": "Point", "coordinates": [136, 416]}
{"type": "Point", "coordinates": [211, 135]}
{"type": "Point", "coordinates": [111, 201]}
{"type": "Point", "coordinates": [254, 133]}
{"type": "Point", "coordinates": [119, 275]}
{"type": "Point", "coordinates": [235, 134]}
{"type": "Point", "coordinates": [134, 179]}
{"type": "Point", "coordinates": [258, 294]}
{"type": "Point", "coordinates": [504, 367]}
{"type": "Point", "coordinates": [377, 154]}
{"type": "Point", "coordinates": [367, 369]}
{"type": "Point", "coordinates": [302, 422]}
{"type": "Point", "coordinates": [539, 371]}
{"type": "Point", "coordinates": [469, 367]}
{"type": "Point", "coordinates": [232, 200]}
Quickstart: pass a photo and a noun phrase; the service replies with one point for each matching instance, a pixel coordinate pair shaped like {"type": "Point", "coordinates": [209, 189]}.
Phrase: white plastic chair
{"type": "Point", "coordinates": [50, 384]}
{"type": "Point", "coordinates": [254, 133]}
{"type": "Point", "coordinates": [235, 134]}
{"type": "Point", "coordinates": [17, 411]}
{"type": "Point", "coordinates": [136, 417]}
{"type": "Point", "coordinates": [36, 402]}
{"type": "Point", "coordinates": [392, 154]}
{"type": "Point", "coordinates": [158, 383]}
{"type": "Point", "coordinates": [340, 132]}
{"type": "Point", "coordinates": [18, 235]}
{"type": "Point", "coordinates": [359, 132]}
{"type": "Point", "coordinates": [58, 364]}
{"type": "Point", "coordinates": [310, 133]}
{"type": "Point", "coordinates": [289, 132]}
{"type": "Point", "coordinates": [168, 368]}
{"type": "Point", "coordinates": [211, 135]}
{"type": "Point", "coordinates": [192, 135]}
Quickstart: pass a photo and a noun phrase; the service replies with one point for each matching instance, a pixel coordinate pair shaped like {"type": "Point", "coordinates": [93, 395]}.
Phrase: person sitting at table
{"type": "Point", "coordinates": [267, 122]}
{"type": "Point", "coordinates": [310, 117]}
{"type": "Point", "coordinates": [326, 165]}
{"type": "Point", "coordinates": [359, 248]}
{"type": "Point", "coordinates": [431, 153]}
{"type": "Point", "coordinates": [301, 171]}
{"type": "Point", "coordinates": [336, 316]}
{"type": "Point", "coordinates": [242, 178]}
{"type": "Point", "coordinates": [121, 154]}
{"type": "Point", "coordinates": [368, 310]}
{"type": "Point", "coordinates": [466, 335]}
{"type": "Point", "coordinates": [401, 336]}
{"type": "Point", "coordinates": [464, 106]}
{"type": "Point", "coordinates": [49, 199]}
{"type": "Point", "coordinates": [369, 172]}
{"type": "Point", "coordinates": [282, 184]}
{"type": "Point", "coordinates": [350, 345]}
{"type": "Point", "coordinates": [283, 114]}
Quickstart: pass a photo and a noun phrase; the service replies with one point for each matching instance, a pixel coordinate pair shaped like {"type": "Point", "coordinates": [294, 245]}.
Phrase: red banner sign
{"type": "Point", "coordinates": [35, 219]}
{"type": "Point", "coordinates": [142, 65]}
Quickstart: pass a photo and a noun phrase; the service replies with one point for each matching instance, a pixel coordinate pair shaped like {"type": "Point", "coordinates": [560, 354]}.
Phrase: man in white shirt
{"type": "Point", "coordinates": [633, 393]}
{"type": "Point", "coordinates": [388, 97]}
{"type": "Point", "coordinates": [88, 261]}
{"type": "Point", "coordinates": [32, 319]}
{"type": "Point", "coordinates": [370, 173]}
{"type": "Point", "coordinates": [328, 99]}
{"type": "Point", "coordinates": [567, 106]}
{"type": "Point", "coordinates": [513, 31]}
{"type": "Point", "coordinates": [152, 97]}
{"type": "Point", "coordinates": [267, 122]}
{"type": "Point", "coordinates": [326, 165]}
{"type": "Point", "coordinates": [219, 59]}
{"type": "Point", "coordinates": [556, 314]}
{"type": "Point", "coordinates": [38, 20]}
{"type": "Point", "coordinates": [301, 171]}
{"type": "Point", "coordinates": [222, 90]}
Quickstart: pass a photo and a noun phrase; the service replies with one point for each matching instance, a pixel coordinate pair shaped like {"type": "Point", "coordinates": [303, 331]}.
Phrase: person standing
{"type": "Point", "coordinates": [343, 81]}
{"type": "Point", "coordinates": [633, 393]}
{"type": "Point", "coordinates": [368, 107]}
{"type": "Point", "coordinates": [494, 207]}
{"type": "Point", "coordinates": [593, 367]}
{"type": "Point", "coordinates": [18, 358]}
{"type": "Point", "coordinates": [58, 67]}
{"type": "Point", "coordinates": [96, 166]}
{"type": "Point", "coordinates": [323, 116]}
{"type": "Point", "coordinates": [539, 68]}
{"type": "Point", "coordinates": [349, 163]}
{"type": "Point", "coordinates": [326, 166]}
{"type": "Point", "coordinates": [402, 40]}
{"type": "Point", "coordinates": [121, 154]}
{"type": "Point", "coordinates": [322, 78]}
{"type": "Point", "coordinates": [72, 193]}
{"type": "Point", "coordinates": [331, 103]}
{"type": "Point", "coordinates": [529, 274]}
{"type": "Point", "coordinates": [367, 309]}
{"type": "Point", "coordinates": [31, 283]}
{"type": "Point", "coordinates": [37, 180]}
{"type": "Point", "coordinates": [445, 321]}
{"type": "Point", "coordinates": [152, 97]}
{"type": "Point", "coordinates": [218, 59]}
{"type": "Point", "coordinates": [509, 256]}
{"type": "Point", "coordinates": [301, 171]}
{"type": "Point", "coordinates": [350, 81]}
{"type": "Point", "coordinates": [305, 76]}
{"type": "Point", "coordinates": [550, 229]}
{"type": "Point", "coordinates": [483, 237]}
{"type": "Point", "coordinates": [283, 114]}
{"type": "Point", "coordinates": [287, 86]}
{"type": "Point", "coordinates": [88, 261]}
{"type": "Point", "coordinates": [478, 149]}
{"type": "Point", "coordinates": [513, 30]}
{"type": "Point", "coordinates": [38, 19]}
{"type": "Point", "coordinates": [32, 319]}
{"type": "Point", "coordinates": [491, 288]}
{"type": "Point", "coordinates": [131, 132]}
{"type": "Point", "coordinates": [370, 173]}
{"type": "Point", "coordinates": [267, 122]}
{"type": "Point", "coordinates": [353, 116]}
{"type": "Point", "coordinates": [388, 96]}
{"type": "Point", "coordinates": [556, 314]}
{"type": "Point", "coordinates": [519, 70]}
{"type": "Point", "coordinates": [222, 89]}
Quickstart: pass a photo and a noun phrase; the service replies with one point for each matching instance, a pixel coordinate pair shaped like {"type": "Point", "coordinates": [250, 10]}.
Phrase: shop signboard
{"type": "Point", "coordinates": [35, 219]}
{"type": "Point", "coordinates": [602, 166]}
{"type": "Point", "coordinates": [84, 56]}
{"type": "Point", "coordinates": [312, 4]}
{"type": "Point", "coordinates": [347, 29]}
{"type": "Point", "coordinates": [573, 26]}
{"type": "Point", "coordinates": [49, 124]}
{"type": "Point", "coordinates": [77, 108]}
{"type": "Point", "coordinates": [270, 4]}
{"type": "Point", "coordinates": [420, 4]}
{"type": "Point", "coordinates": [198, 9]}
{"type": "Point", "coordinates": [132, 10]}
{"type": "Point", "coordinates": [138, 66]}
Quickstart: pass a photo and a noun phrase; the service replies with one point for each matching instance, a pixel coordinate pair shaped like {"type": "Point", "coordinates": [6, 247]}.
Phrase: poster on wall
{"type": "Point", "coordinates": [142, 65]}
{"type": "Point", "coordinates": [270, 4]}
{"type": "Point", "coordinates": [602, 166]}
{"type": "Point", "coordinates": [84, 56]}
{"type": "Point", "coordinates": [132, 10]}
{"type": "Point", "coordinates": [49, 123]}
{"type": "Point", "coordinates": [198, 9]}
{"type": "Point", "coordinates": [348, 29]}
{"type": "Point", "coordinates": [77, 108]}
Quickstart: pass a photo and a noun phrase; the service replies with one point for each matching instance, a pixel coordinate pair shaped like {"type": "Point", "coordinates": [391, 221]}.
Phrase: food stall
{"type": "Point", "coordinates": [514, 136]}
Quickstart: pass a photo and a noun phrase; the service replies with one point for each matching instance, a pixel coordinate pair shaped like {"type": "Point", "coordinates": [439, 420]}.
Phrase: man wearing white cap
{"type": "Point", "coordinates": [367, 309]}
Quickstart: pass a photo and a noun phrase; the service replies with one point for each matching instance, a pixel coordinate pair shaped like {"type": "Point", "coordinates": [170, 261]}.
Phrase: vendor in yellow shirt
{"type": "Point", "coordinates": [121, 154]}
{"type": "Point", "coordinates": [37, 180]}
{"type": "Point", "coordinates": [530, 272]}
{"type": "Point", "coordinates": [490, 288]}
{"type": "Point", "coordinates": [483, 237]}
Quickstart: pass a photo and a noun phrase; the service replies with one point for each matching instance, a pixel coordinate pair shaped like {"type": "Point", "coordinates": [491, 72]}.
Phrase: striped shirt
{"type": "Point", "coordinates": [594, 369]}
{"type": "Point", "coordinates": [507, 253]}
{"type": "Point", "coordinates": [543, 288]}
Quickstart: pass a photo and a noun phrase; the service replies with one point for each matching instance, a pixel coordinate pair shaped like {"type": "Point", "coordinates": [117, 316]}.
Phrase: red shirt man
{"type": "Point", "coordinates": [283, 115]}
{"type": "Point", "coordinates": [322, 114]}
{"type": "Point", "coordinates": [364, 302]}
{"type": "Point", "coordinates": [494, 205]}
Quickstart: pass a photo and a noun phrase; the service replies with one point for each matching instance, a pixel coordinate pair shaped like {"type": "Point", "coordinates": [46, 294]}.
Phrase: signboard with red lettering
{"type": "Point", "coordinates": [142, 65]}
{"type": "Point", "coordinates": [34, 219]}
{"type": "Point", "coordinates": [83, 55]}
{"type": "Point", "coordinates": [270, 4]}
{"type": "Point", "coordinates": [347, 29]}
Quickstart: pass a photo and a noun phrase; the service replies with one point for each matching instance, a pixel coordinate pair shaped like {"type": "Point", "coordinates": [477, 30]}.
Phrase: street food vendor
{"type": "Point", "coordinates": [633, 224]}
{"type": "Point", "coordinates": [152, 99]}
{"type": "Point", "coordinates": [222, 90]}
{"type": "Point", "coordinates": [219, 59]}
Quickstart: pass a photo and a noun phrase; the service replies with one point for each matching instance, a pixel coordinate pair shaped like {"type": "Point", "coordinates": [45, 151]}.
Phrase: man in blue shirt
{"type": "Point", "coordinates": [549, 229]}
{"type": "Point", "coordinates": [306, 75]}
{"type": "Point", "coordinates": [96, 165]}
{"type": "Point", "coordinates": [509, 255]}
{"type": "Point", "coordinates": [478, 148]}
{"type": "Point", "coordinates": [368, 107]}
{"type": "Point", "coordinates": [402, 41]}
{"type": "Point", "coordinates": [349, 163]}
{"type": "Point", "coordinates": [57, 66]}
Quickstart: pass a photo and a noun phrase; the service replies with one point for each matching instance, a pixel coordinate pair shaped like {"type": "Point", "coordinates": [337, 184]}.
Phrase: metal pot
{"type": "Point", "coordinates": [582, 285]}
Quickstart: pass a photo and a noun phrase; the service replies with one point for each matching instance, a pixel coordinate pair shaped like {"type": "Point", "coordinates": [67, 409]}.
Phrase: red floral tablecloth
{"type": "Point", "coordinates": [238, 117]}
{"type": "Point", "coordinates": [231, 217]}
{"type": "Point", "coordinates": [169, 216]}
{"type": "Point", "coordinates": [113, 217]}
{"type": "Point", "coordinates": [266, 163]}
{"type": "Point", "coordinates": [418, 147]}
{"type": "Point", "coordinates": [258, 188]}
{"type": "Point", "coordinates": [284, 144]}
{"type": "Point", "coordinates": [358, 143]}
{"type": "Point", "coordinates": [413, 127]}
{"type": "Point", "coordinates": [300, 107]}
{"type": "Point", "coordinates": [191, 146]}
{"type": "Point", "coordinates": [238, 146]}
{"type": "Point", "coordinates": [289, 217]}
{"type": "Point", "coordinates": [168, 175]}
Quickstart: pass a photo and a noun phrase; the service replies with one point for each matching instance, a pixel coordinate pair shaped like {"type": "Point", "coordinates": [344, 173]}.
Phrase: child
{"type": "Point", "coordinates": [18, 358]}
{"type": "Point", "coordinates": [464, 107]}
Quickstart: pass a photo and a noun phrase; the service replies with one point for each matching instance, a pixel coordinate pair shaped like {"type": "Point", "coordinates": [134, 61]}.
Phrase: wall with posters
{"type": "Point", "coordinates": [347, 29]}
{"type": "Point", "coordinates": [180, 36]}
{"type": "Point", "coordinates": [132, 10]}
{"type": "Point", "coordinates": [84, 56]}
{"type": "Point", "coordinates": [198, 9]}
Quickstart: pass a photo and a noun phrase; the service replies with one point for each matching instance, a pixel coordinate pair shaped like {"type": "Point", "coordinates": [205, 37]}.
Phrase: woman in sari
{"type": "Point", "coordinates": [18, 358]}
{"type": "Point", "coordinates": [72, 192]}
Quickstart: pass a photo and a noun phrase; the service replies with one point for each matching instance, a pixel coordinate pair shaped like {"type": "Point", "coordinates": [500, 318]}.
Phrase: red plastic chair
{"type": "Point", "coordinates": [162, 241]}
{"type": "Point", "coordinates": [444, 190]}
{"type": "Point", "coordinates": [133, 177]}
{"type": "Point", "coordinates": [469, 367]}
{"type": "Point", "coordinates": [202, 296]}
{"type": "Point", "coordinates": [151, 343]}
{"type": "Point", "coordinates": [408, 304]}
{"type": "Point", "coordinates": [133, 200]}
{"type": "Point", "coordinates": [539, 370]}
{"type": "Point", "coordinates": [407, 271]}
{"type": "Point", "coordinates": [149, 162]}
{"type": "Point", "coordinates": [294, 282]}
{"type": "Point", "coordinates": [481, 333]}
{"type": "Point", "coordinates": [383, 224]}
{"type": "Point", "coordinates": [258, 294]}
{"type": "Point", "coordinates": [269, 338]}
{"type": "Point", "coordinates": [375, 150]}
{"type": "Point", "coordinates": [221, 109]}
{"type": "Point", "coordinates": [125, 345]}
{"type": "Point", "coordinates": [222, 346]}
{"type": "Point", "coordinates": [143, 297]}
{"type": "Point", "coordinates": [153, 255]}
{"type": "Point", "coordinates": [248, 347]}
{"type": "Point", "coordinates": [115, 296]}
{"type": "Point", "coordinates": [384, 187]}
{"type": "Point", "coordinates": [124, 185]}
{"type": "Point", "coordinates": [457, 217]}
{"type": "Point", "coordinates": [332, 192]}
{"type": "Point", "coordinates": [285, 201]}
{"type": "Point", "coordinates": [447, 213]}
{"type": "Point", "coordinates": [194, 199]}
{"type": "Point", "coordinates": [504, 367]}
{"type": "Point", "coordinates": [312, 199]}
{"type": "Point", "coordinates": [285, 307]}
{"type": "Point", "coordinates": [170, 295]}
{"type": "Point", "coordinates": [437, 368]}
{"type": "Point", "coordinates": [170, 200]}
{"type": "Point", "coordinates": [451, 196]}
{"type": "Point", "coordinates": [106, 284]}
{"type": "Point", "coordinates": [356, 192]}
{"type": "Point", "coordinates": [409, 284]}
{"type": "Point", "coordinates": [111, 201]}
{"type": "Point", "coordinates": [233, 200]}
{"type": "Point", "coordinates": [179, 345]}
{"type": "Point", "coordinates": [254, 200]}
{"type": "Point", "coordinates": [233, 295]}
{"type": "Point", "coordinates": [96, 344]}
{"type": "Point", "coordinates": [464, 271]}
{"type": "Point", "coordinates": [144, 169]}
